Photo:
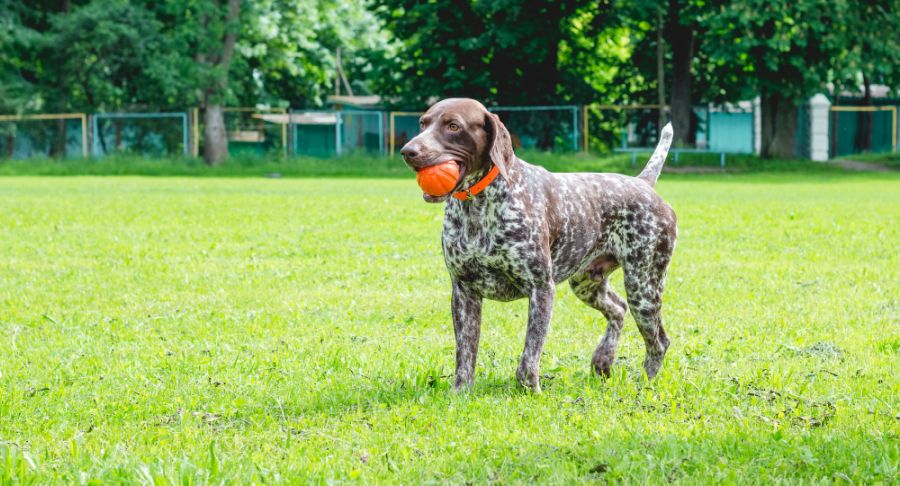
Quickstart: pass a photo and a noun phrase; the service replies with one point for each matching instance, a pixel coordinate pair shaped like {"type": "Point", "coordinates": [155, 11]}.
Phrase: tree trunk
{"type": "Point", "coordinates": [681, 40]}
{"type": "Point", "coordinates": [779, 126]}
{"type": "Point", "coordinates": [58, 148]}
{"type": "Point", "coordinates": [863, 141]}
{"type": "Point", "coordinates": [660, 70]}
{"type": "Point", "coordinates": [215, 139]}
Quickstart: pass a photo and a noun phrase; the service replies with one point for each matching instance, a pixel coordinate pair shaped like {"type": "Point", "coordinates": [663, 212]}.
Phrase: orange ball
{"type": "Point", "coordinates": [438, 180]}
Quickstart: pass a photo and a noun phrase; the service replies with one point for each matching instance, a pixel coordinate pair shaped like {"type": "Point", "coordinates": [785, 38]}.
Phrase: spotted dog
{"type": "Point", "coordinates": [519, 234]}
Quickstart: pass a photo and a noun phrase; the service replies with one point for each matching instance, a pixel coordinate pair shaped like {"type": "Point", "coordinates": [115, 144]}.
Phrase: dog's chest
{"type": "Point", "coordinates": [483, 249]}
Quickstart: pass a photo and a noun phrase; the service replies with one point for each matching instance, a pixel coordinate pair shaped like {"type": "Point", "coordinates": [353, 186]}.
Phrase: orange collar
{"type": "Point", "coordinates": [479, 186]}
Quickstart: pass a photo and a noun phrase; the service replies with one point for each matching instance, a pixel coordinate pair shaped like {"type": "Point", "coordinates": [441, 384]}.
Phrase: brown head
{"type": "Point", "coordinates": [464, 131]}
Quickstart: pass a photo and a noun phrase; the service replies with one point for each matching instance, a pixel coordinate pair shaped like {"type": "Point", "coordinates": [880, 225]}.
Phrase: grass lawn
{"type": "Point", "coordinates": [362, 165]}
{"type": "Point", "coordinates": [200, 330]}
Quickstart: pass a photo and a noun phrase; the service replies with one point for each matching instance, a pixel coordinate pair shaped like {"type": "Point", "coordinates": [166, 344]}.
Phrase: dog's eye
{"type": "Point", "coordinates": [453, 127]}
{"type": "Point", "coordinates": [421, 125]}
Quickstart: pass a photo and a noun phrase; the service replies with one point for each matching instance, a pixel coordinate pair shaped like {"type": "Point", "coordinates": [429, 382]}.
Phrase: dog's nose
{"type": "Point", "coordinates": [409, 151]}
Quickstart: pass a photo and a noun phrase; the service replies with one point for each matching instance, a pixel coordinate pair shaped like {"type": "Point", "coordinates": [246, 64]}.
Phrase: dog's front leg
{"type": "Point", "coordinates": [540, 307]}
{"type": "Point", "coordinates": [466, 308]}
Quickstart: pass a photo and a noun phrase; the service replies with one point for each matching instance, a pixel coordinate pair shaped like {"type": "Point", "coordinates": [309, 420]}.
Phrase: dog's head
{"type": "Point", "coordinates": [464, 131]}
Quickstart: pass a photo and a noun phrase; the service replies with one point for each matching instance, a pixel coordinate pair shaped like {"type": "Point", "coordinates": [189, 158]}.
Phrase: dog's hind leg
{"type": "Point", "coordinates": [591, 285]}
{"type": "Point", "coordinates": [644, 282]}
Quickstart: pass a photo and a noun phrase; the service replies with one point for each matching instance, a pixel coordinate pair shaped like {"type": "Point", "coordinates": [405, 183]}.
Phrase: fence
{"type": "Point", "coordinates": [848, 135]}
{"type": "Point", "coordinates": [624, 127]}
{"type": "Point", "coordinates": [404, 126]}
{"type": "Point", "coordinates": [548, 128]}
{"type": "Point", "coordinates": [154, 134]}
{"type": "Point", "coordinates": [822, 130]}
{"type": "Point", "coordinates": [45, 135]}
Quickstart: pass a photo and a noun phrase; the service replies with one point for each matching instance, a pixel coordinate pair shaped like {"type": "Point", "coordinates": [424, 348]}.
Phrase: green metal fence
{"type": "Point", "coordinates": [846, 129]}
{"type": "Point", "coordinates": [63, 135]}
{"type": "Point", "coordinates": [328, 133]}
{"type": "Point", "coordinates": [547, 128]}
{"type": "Point", "coordinates": [147, 134]}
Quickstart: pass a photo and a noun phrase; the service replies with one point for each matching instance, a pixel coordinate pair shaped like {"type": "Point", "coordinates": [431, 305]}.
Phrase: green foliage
{"type": "Point", "coordinates": [870, 41]}
{"type": "Point", "coordinates": [243, 331]}
{"type": "Point", "coordinates": [778, 47]}
{"type": "Point", "coordinates": [199, 31]}
{"type": "Point", "coordinates": [108, 55]}
{"type": "Point", "coordinates": [597, 57]}
{"type": "Point", "coordinates": [15, 38]}
{"type": "Point", "coordinates": [105, 56]}
{"type": "Point", "coordinates": [501, 52]}
{"type": "Point", "coordinates": [288, 50]}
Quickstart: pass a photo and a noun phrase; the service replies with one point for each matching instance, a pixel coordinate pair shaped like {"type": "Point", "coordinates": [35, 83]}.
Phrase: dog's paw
{"type": "Point", "coordinates": [463, 385]}
{"type": "Point", "coordinates": [652, 364]}
{"type": "Point", "coordinates": [529, 379]}
{"type": "Point", "coordinates": [602, 361]}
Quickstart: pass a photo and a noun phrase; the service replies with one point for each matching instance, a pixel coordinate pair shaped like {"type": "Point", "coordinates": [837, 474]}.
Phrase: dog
{"type": "Point", "coordinates": [514, 230]}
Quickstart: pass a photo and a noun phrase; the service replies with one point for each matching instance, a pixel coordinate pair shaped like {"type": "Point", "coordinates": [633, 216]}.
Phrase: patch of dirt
{"type": "Point", "coordinates": [694, 170]}
{"type": "Point", "coordinates": [863, 166]}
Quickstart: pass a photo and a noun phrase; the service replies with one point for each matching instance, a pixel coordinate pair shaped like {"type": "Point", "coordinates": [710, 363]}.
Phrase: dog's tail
{"type": "Point", "coordinates": [655, 165]}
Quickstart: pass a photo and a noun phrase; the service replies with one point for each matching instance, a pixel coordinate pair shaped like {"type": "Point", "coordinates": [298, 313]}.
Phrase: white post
{"type": "Point", "coordinates": [757, 126]}
{"type": "Point", "coordinates": [819, 111]}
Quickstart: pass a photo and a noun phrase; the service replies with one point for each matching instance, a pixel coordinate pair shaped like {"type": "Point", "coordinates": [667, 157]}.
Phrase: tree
{"type": "Point", "coordinates": [287, 50]}
{"type": "Point", "coordinates": [501, 52]}
{"type": "Point", "coordinates": [100, 57]}
{"type": "Point", "coordinates": [670, 38]}
{"type": "Point", "coordinates": [266, 52]}
{"type": "Point", "coordinates": [870, 54]}
{"type": "Point", "coordinates": [64, 56]}
{"type": "Point", "coordinates": [595, 54]}
{"type": "Point", "coordinates": [204, 34]}
{"type": "Point", "coordinates": [16, 40]}
{"type": "Point", "coordinates": [424, 68]}
{"type": "Point", "coordinates": [681, 34]}
{"type": "Point", "coordinates": [784, 51]}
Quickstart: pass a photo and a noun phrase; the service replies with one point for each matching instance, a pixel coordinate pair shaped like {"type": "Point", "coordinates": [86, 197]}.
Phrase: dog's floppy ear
{"type": "Point", "coordinates": [499, 147]}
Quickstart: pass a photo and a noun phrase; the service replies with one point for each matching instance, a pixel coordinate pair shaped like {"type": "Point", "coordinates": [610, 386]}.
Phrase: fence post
{"type": "Point", "coordinates": [587, 135]}
{"type": "Point", "coordinates": [292, 133]}
{"type": "Point", "coordinates": [391, 134]}
{"type": "Point", "coordinates": [95, 136]}
{"type": "Point", "coordinates": [757, 126]}
{"type": "Point", "coordinates": [185, 142]}
{"type": "Point", "coordinates": [575, 128]}
{"type": "Point", "coordinates": [89, 136]}
{"type": "Point", "coordinates": [337, 131]}
{"type": "Point", "coordinates": [819, 110]}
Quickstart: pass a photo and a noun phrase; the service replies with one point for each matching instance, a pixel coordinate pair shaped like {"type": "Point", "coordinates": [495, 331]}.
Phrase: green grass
{"type": "Point", "coordinates": [360, 165]}
{"type": "Point", "coordinates": [298, 330]}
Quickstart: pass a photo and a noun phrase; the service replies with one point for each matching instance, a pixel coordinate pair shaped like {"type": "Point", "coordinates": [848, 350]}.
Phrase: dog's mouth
{"type": "Point", "coordinates": [437, 199]}
{"type": "Point", "coordinates": [434, 199]}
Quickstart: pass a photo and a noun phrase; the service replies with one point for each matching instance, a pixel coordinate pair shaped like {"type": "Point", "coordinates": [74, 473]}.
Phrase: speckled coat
{"type": "Point", "coordinates": [531, 229]}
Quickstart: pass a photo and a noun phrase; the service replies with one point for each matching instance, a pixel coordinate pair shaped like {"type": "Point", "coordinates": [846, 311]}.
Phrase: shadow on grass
{"type": "Point", "coordinates": [367, 393]}
{"type": "Point", "coordinates": [370, 393]}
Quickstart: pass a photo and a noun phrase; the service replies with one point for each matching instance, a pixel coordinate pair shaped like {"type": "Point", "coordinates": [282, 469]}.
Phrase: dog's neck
{"type": "Point", "coordinates": [472, 178]}
{"type": "Point", "coordinates": [509, 170]}
{"type": "Point", "coordinates": [495, 192]}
